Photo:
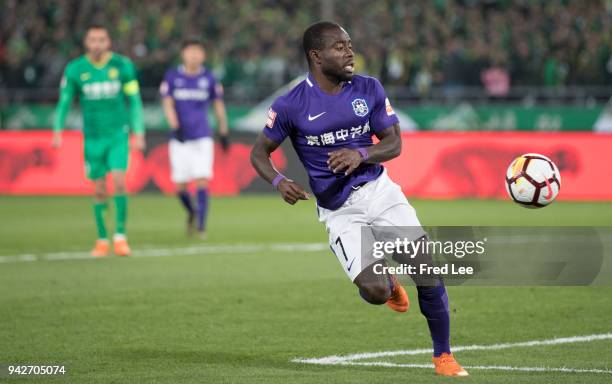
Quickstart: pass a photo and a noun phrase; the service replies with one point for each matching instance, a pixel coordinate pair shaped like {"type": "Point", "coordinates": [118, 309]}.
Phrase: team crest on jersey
{"type": "Point", "coordinates": [360, 107]}
{"type": "Point", "coordinates": [85, 76]}
{"type": "Point", "coordinates": [113, 73]}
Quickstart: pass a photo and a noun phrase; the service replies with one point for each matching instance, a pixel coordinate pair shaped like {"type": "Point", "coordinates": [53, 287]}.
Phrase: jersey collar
{"type": "Point", "coordinates": [181, 70]}
{"type": "Point", "coordinates": [101, 64]}
{"type": "Point", "coordinates": [311, 82]}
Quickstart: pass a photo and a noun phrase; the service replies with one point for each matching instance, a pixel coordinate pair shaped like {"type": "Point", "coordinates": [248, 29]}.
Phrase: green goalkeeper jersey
{"type": "Point", "coordinates": [102, 91]}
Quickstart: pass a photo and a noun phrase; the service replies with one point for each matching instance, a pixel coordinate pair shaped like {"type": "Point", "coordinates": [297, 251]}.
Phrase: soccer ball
{"type": "Point", "coordinates": [533, 180]}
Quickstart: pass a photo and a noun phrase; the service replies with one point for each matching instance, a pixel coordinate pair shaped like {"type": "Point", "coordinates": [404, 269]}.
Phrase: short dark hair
{"type": "Point", "coordinates": [96, 26]}
{"type": "Point", "coordinates": [313, 35]}
{"type": "Point", "coordinates": [192, 41]}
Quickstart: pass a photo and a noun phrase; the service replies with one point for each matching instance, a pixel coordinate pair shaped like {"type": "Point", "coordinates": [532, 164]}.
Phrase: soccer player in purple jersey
{"type": "Point", "coordinates": [330, 118]}
{"type": "Point", "coordinates": [187, 91]}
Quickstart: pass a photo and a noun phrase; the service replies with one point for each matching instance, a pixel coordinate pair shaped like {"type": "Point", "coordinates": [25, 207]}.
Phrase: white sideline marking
{"type": "Point", "coordinates": [353, 358]}
{"type": "Point", "coordinates": [485, 367]}
{"type": "Point", "coordinates": [162, 252]}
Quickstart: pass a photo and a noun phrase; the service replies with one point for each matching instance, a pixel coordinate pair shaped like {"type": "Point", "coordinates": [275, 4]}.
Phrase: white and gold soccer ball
{"type": "Point", "coordinates": [533, 180]}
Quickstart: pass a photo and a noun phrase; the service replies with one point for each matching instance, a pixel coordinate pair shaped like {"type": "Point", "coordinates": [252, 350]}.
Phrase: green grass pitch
{"type": "Point", "coordinates": [240, 317]}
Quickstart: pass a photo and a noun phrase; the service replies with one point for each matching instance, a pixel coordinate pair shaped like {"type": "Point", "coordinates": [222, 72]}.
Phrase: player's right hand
{"type": "Point", "coordinates": [177, 133]}
{"type": "Point", "coordinates": [292, 191]}
{"type": "Point", "coordinates": [138, 142]}
{"type": "Point", "coordinates": [56, 142]}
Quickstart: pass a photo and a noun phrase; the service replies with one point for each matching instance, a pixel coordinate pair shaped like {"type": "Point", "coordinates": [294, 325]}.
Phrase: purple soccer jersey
{"type": "Point", "coordinates": [192, 95]}
{"type": "Point", "coordinates": [318, 123]}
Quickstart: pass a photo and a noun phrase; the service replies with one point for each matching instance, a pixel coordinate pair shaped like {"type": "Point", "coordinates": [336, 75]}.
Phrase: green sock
{"type": "Point", "coordinates": [121, 213]}
{"type": "Point", "coordinates": [99, 209]}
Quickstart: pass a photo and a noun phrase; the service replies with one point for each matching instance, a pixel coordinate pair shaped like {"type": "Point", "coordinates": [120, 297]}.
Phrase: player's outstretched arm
{"type": "Point", "coordinates": [260, 158]}
{"type": "Point", "coordinates": [347, 160]}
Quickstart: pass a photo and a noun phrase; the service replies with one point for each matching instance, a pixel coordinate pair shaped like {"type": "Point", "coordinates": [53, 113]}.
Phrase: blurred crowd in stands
{"type": "Point", "coordinates": [494, 44]}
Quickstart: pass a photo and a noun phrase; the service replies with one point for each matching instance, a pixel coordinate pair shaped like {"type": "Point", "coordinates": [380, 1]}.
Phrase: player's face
{"type": "Point", "coordinates": [337, 58]}
{"type": "Point", "coordinates": [193, 56]}
{"type": "Point", "coordinates": [97, 42]}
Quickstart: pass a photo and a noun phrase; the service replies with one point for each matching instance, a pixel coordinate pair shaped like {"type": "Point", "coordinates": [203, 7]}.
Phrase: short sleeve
{"type": "Point", "coordinates": [68, 84]}
{"type": "Point", "coordinates": [216, 89]}
{"type": "Point", "coordinates": [383, 116]}
{"type": "Point", "coordinates": [129, 72]}
{"type": "Point", "coordinates": [278, 125]}
{"type": "Point", "coordinates": [165, 88]}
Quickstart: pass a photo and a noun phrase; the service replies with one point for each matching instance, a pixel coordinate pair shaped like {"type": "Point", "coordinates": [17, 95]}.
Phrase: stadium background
{"type": "Point", "coordinates": [496, 66]}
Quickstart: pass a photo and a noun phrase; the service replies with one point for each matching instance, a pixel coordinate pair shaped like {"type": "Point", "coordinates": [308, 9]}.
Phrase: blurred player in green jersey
{"type": "Point", "coordinates": [102, 80]}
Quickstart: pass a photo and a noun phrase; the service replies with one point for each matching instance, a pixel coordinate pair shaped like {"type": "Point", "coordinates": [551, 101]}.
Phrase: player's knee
{"type": "Point", "coordinates": [100, 194]}
{"type": "Point", "coordinates": [100, 190]}
{"type": "Point", "coordinates": [119, 182]}
{"type": "Point", "coordinates": [120, 189]}
{"type": "Point", "coordinates": [375, 294]}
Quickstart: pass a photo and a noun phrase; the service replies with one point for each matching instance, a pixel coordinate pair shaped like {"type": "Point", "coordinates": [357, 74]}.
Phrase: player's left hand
{"type": "Point", "coordinates": [344, 159]}
{"type": "Point", "coordinates": [138, 142]}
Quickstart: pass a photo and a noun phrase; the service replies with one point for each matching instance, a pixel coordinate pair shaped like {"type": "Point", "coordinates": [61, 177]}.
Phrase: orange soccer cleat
{"type": "Point", "coordinates": [121, 246]}
{"type": "Point", "coordinates": [446, 365]}
{"type": "Point", "coordinates": [100, 249]}
{"type": "Point", "coordinates": [398, 301]}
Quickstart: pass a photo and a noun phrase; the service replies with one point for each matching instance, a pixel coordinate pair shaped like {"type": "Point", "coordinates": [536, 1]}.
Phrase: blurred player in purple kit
{"type": "Point", "coordinates": [330, 118]}
{"type": "Point", "coordinates": [187, 91]}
